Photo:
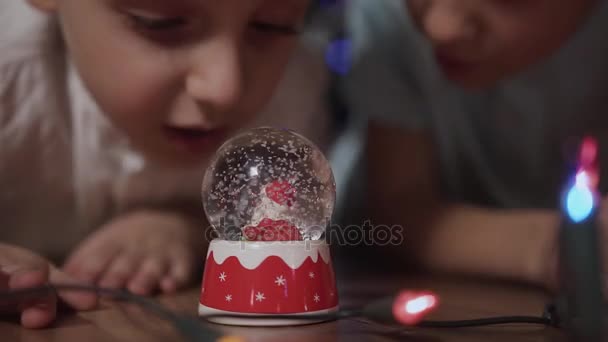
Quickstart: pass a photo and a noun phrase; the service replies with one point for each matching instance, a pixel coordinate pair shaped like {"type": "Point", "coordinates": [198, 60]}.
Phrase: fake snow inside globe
{"type": "Point", "coordinates": [269, 185]}
{"type": "Point", "coordinates": [269, 194]}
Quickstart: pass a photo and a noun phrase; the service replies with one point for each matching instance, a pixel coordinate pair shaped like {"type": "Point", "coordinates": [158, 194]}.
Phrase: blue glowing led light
{"type": "Point", "coordinates": [339, 56]}
{"type": "Point", "coordinates": [579, 202]}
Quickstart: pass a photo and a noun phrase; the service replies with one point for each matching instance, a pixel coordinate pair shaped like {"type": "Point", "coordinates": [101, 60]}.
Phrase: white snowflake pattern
{"type": "Point", "coordinates": [317, 298]}
{"type": "Point", "coordinates": [229, 298]}
{"type": "Point", "coordinates": [280, 281]}
{"type": "Point", "coordinates": [223, 276]}
{"type": "Point", "coordinates": [311, 275]}
{"type": "Point", "coordinates": [259, 297]}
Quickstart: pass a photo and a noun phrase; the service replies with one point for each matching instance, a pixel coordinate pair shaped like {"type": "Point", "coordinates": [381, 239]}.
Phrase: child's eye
{"type": "Point", "coordinates": [265, 27]}
{"type": "Point", "coordinates": [157, 24]}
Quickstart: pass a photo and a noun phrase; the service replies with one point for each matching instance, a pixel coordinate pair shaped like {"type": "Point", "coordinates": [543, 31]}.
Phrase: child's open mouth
{"type": "Point", "coordinates": [454, 67]}
{"type": "Point", "coordinates": [194, 140]}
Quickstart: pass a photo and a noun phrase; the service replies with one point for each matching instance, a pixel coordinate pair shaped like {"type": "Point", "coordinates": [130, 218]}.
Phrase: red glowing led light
{"type": "Point", "coordinates": [588, 165]}
{"type": "Point", "coordinates": [410, 308]}
{"type": "Point", "coordinates": [588, 153]}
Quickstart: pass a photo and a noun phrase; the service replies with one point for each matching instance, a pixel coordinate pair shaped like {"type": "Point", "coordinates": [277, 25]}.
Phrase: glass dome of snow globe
{"type": "Point", "coordinates": [269, 184]}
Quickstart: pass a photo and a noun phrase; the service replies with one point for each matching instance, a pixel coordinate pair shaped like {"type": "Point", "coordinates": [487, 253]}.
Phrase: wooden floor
{"type": "Point", "coordinates": [460, 299]}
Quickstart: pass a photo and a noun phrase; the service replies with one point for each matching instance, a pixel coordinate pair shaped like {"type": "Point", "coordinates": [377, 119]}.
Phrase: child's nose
{"type": "Point", "coordinates": [447, 23]}
{"type": "Point", "coordinates": [216, 79]}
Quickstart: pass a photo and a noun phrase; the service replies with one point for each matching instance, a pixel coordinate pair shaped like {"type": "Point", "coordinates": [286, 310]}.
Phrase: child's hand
{"type": "Point", "coordinates": [20, 268]}
{"type": "Point", "coordinates": [142, 251]}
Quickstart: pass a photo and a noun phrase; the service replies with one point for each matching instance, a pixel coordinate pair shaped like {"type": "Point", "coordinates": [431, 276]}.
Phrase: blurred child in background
{"type": "Point", "coordinates": [471, 104]}
{"type": "Point", "coordinates": [109, 111]}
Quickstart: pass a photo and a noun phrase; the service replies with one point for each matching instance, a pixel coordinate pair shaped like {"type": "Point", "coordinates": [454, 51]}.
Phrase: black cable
{"type": "Point", "coordinates": [191, 328]}
{"type": "Point", "coordinates": [486, 321]}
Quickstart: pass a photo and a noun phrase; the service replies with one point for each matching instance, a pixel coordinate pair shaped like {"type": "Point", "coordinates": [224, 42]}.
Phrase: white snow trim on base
{"type": "Point", "coordinates": [246, 320]}
{"type": "Point", "coordinates": [251, 253]}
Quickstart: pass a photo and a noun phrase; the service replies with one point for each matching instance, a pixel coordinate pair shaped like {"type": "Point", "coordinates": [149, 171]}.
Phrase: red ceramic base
{"type": "Point", "coordinates": [287, 277]}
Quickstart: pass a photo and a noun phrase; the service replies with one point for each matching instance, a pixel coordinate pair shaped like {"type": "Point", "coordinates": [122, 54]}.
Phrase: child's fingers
{"type": "Point", "coordinates": [168, 284]}
{"type": "Point", "coordinates": [179, 272]}
{"type": "Point", "coordinates": [149, 276]}
{"type": "Point", "coordinates": [89, 262]}
{"type": "Point", "coordinates": [117, 274]}
{"type": "Point", "coordinates": [36, 312]}
{"type": "Point", "coordinates": [41, 314]}
{"type": "Point", "coordinates": [75, 299]}
{"type": "Point", "coordinates": [30, 277]}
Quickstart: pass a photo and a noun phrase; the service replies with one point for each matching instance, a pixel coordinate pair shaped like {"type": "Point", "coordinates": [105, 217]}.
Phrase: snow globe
{"type": "Point", "coordinates": [269, 195]}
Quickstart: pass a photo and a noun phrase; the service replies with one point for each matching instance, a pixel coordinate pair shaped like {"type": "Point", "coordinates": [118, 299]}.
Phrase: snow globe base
{"type": "Point", "coordinates": [256, 278]}
{"type": "Point", "coordinates": [245, 319]}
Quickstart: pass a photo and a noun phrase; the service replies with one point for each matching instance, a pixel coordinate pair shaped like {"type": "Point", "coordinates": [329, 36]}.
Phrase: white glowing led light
{"type": "Point", "coordinates": [419, 304]}
{"type": "Point", "coordinates": [582, 179]}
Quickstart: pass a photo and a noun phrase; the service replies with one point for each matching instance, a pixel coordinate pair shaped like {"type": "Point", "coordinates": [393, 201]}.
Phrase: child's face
{"type": "Point", "coordinates": [478, 42]}
{"type": "Point", "coordinates": [179, 75]}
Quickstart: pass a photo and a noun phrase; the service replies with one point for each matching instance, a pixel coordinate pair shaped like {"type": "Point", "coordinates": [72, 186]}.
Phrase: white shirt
{"type": "Point", "coordinates": [64, 170]}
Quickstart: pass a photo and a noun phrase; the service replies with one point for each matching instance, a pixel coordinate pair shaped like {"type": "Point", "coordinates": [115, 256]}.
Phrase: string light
{"type": "Point", "coordinates": [410, 308]}
{"type": "Point", "coordinates": [580, 199]}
